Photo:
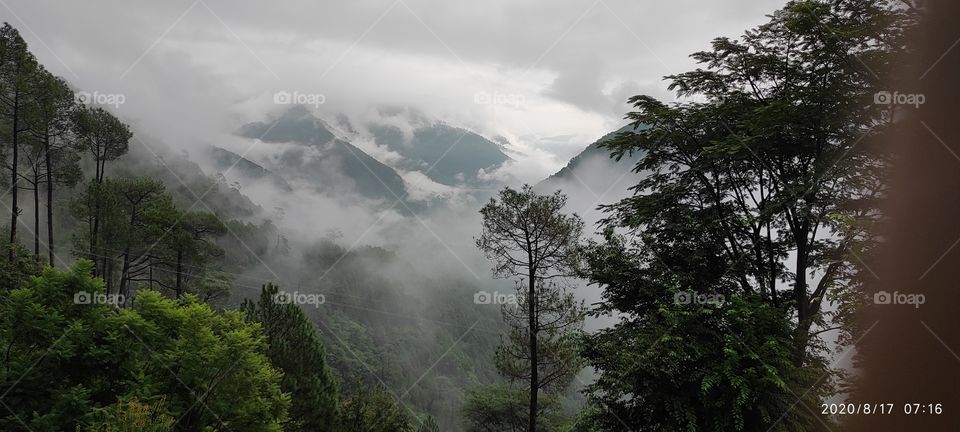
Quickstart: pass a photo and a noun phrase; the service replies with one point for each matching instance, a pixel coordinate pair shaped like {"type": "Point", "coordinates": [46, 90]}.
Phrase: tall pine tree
{"type": "Point", "coordinates": [295, 349]}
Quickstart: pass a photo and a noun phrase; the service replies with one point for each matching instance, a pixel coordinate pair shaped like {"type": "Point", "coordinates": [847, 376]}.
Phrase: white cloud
{"type": "Point", "coordinates": [193, 71]}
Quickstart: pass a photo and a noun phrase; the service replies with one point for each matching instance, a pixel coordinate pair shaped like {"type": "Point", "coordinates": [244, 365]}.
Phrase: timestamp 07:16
{"type": "Point", "coordinates": [881, 408]}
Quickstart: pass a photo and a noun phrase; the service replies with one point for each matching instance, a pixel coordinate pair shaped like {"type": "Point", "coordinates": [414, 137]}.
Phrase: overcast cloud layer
{"type": "Point", "coordinates": [550, 75]}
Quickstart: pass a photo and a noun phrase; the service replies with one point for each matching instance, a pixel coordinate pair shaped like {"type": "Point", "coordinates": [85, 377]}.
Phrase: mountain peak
{"type": "Point", "coordinates": [296, 124]}
{"type": "Point", "coordinates": [581, 171]}
{"type": "Point", "coordinates": [321, 159]}
{"type": "Point", "coordinates": [297, 111]}
{"type": "Point", "coordinates": [446, 154]}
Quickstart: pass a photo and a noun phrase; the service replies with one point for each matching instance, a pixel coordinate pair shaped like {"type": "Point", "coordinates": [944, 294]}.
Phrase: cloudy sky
{"type": "Point", "coordinates": [550, 75]}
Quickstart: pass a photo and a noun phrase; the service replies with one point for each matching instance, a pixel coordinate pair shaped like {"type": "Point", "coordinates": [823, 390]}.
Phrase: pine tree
{"type": "Point", "coordinates": [53, 159]}
{"type": "Point", "coordinates": [17, 72]}
{"type": "Point", "coordinates": [528, 236]}
{"type": "Point", "coordinates": [295, 349]}
{"type": "Point", "coordinates": [104, 138]}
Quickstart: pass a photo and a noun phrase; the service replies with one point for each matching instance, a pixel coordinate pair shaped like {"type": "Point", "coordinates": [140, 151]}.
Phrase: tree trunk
{"type": "Point", "coordinates": [124, 272]}
{"type": "Point", "coordinates": [95, 227]}
{"type": "Point", "coordinates": [46, 144]}
{"type": "Point", "coordinates": [36, 216]}
{"type": "Point", "coordinates": [14, 210]}
{"type": "Point", "coordinates": [179, 288]}
{"type": "Point", "coordinates": [534, 378]}
{"type": "Point", "coordinates": [108, 273]}
{"type": "Point", "coordinates": [800, 296]}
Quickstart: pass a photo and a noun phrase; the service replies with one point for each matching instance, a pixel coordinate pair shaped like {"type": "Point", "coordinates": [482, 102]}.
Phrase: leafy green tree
{"type": "Point", "coordinates": [18, 68]}
{"type": "Point", "coordinates": [67, 354]}
{"type": "Point", "coordinates": [293, 347]}
{"type": "Point", "coordinates": [372, 409]}
{"type": "Point", "coordinates": [527, 235]}
{"type": "Point", "coordinates": [132, 416]}
{"type": "Point", "coordinates": [222, 374]}
{"type": "Point", "coordinates": [17, 273]}
{"type": "Point", "coordinates": [503, 408]}
{"type": "Point", "coordinates": [496, 408]}
{"type": "Point", "coordinates": [688, 353]}
{"type": "Point", "coordinates": [756, 194]}
{"type": "Point", "coordinates": [774, 153]}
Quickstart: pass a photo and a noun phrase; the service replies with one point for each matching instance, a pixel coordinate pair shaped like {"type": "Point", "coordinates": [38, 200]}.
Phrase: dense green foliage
{"type": "Point", "coordinates": [65, 358]}
{"type": "Point", "coordinates": [294, 348]}
{"type": "Point", "coordinates": [504, 407]}
{"type": "Point", "coordinates": [722, 364]}
{"type": "Point", "coordinates": [132, 416]}
{"type": "Point", "coordinates": [740, 233]}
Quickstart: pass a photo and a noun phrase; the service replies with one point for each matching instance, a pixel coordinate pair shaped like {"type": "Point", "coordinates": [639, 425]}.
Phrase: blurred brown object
{"type": "Point", "coordinates": [910, 356]}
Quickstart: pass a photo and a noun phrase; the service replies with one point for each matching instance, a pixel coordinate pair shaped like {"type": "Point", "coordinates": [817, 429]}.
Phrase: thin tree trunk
{"type": "Point", "coordinates": [532, 322]}
{"type": "Point", "coordinates": [124, 272]}
{"type": "Point", "coordinates": [36, 215]}
{"type": "Point", "coordinates": [800, 296]}
{"type": "Point", "coordinates": [14, 187]}
{"type": "Point", "coordinates": [179, 289]}
{"type": "Point", "coordinates": [108, 273]}
{"type": "Point", "coordinates": [46, 144]}
{"type": "Point", "coordinates": [95, 226]}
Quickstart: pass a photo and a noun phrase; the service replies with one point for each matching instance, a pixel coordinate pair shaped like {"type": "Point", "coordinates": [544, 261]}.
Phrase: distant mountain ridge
{"type": "Point", "coordinates": [320, 158]}
{"type": "Point", "coordinates": [296, 124]}
{"type": "Point", "coordinates": [594, 150]}
{"type": "Point", "coordinates": [224, 159]}
{"type": "Point", "coordinates": [447, 154]}
{"type": "Point", "coordinates": [592, 173]}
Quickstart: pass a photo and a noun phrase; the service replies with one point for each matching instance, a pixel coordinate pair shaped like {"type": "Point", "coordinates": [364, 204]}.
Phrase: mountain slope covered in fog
{"type": "Point", "coordinates": [449, 155]}
{"type": "Point", "coordinates": [307, 151]}
{"type": "Point", "coordinates": [225, 160]}
{"type": "Point", "coordinates": [593, 152]}
{"type": "Point", "coordinates": [593, 177]}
